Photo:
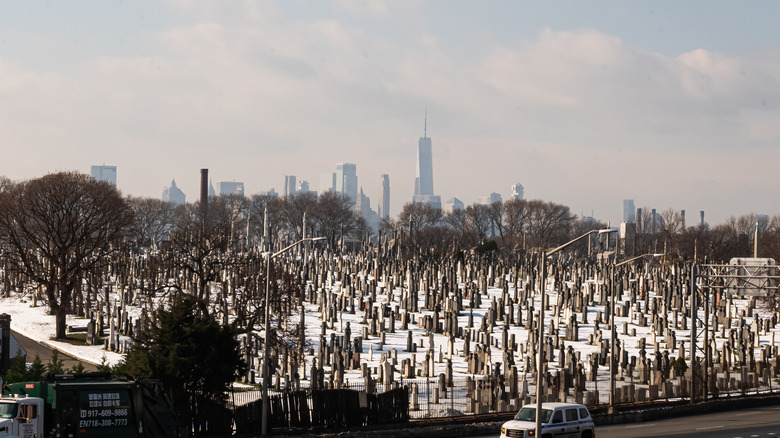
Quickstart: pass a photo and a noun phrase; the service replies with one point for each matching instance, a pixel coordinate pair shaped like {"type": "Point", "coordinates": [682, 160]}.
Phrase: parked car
{"type": "Point", "coordinates": [564, 420]}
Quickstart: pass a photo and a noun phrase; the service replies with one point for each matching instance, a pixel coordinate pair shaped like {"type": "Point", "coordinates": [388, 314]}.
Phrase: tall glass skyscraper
{"type": "Point", "coordinates": [104, 173]}
{"type": "Point", "coordinates": [423, 183]}
{"type": "Point", "coordinates": [346, 180]}
{"type": "Point", "coordinates": [629, 212]}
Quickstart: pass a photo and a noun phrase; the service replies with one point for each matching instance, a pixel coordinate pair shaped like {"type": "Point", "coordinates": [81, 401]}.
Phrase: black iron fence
{"type": "Point", "coordinates": [320, 409]}
{"type": "Point", "coordinates": [417, 399]}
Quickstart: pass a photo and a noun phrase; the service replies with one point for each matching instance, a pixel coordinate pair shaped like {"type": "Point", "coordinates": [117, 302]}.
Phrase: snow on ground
{"type": "Point", "coordinates": [37, 324]}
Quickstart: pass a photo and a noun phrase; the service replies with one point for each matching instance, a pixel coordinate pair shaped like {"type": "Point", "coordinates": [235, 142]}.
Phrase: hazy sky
{"type": "Point", "coordinates": [674, 104]}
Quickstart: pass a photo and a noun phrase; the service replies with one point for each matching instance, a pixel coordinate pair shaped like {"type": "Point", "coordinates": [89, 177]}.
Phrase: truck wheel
{"type": "Point", "coordinates": [587, 434]}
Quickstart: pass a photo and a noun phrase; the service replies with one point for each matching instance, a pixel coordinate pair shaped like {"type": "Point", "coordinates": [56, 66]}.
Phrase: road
{"type": "Point", "coordinates": [33, 347]}
{"type": "Point", "coordinates": [753, 422]}
{"type": "Point", "coordinates": [747, 423]}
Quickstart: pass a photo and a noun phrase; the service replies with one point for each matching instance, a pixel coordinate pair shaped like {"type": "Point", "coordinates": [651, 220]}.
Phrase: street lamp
{"type": "Point", "coordinates": [613, 331]}
{"type": "Point", "coordinates": [266, 348]}
{"type": "Point", "coordinates": [540, 363]}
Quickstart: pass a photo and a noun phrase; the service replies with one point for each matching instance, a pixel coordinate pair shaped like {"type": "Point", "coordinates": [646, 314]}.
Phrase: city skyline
{"type": "Point", "coordinates": [586, 104]}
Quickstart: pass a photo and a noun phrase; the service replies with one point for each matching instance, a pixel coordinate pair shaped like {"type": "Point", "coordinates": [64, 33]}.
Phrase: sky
{"type": "Point", "coordinates": [672, 104]}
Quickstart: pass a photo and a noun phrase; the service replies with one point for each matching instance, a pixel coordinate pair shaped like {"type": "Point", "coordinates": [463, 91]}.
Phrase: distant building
{"type": "Point", "coordinates": [432, 200]}
{"type": "Point", "coordinates": [327, 182]}
{"type": "Point", "coordinates": [363, 208]}
{"type": "Point", "coordinates": [453, 204]}
{"type": "Point", "coordinates": [384, 199]}
{"type": "Point", "coordinates": [303, 187]}
{"type": "Point", "coordinates": [629, 211]}
{"type": "Point", "coordinates": [104, 173]}
{"type": "Point", "coordinates": [211, 189]}
{"type": "Point", "coordinates": [227, 188]}
{"type": "Point", "coordinates": [174, 194]}
{"type": "Point", "coordinates": [518, 192]}
{"type": "Point", "coordinates": [347, 181]}
{"type": "Point", "coordinates": [423, 182]}
{"type": "Point", "coordinates": [289, 185]}
{"type": "Point", "coordinates": [490, 199]}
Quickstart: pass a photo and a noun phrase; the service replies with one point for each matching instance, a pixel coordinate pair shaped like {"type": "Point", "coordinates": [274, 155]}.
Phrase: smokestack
{"type": "Point", "coordinates": [204, 190]}
{"type": "Point", "coordinates": [702, 218]}
{"type": "Point", "coordinates": [682, 213]}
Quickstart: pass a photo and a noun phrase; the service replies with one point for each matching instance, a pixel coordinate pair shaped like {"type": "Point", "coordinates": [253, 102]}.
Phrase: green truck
{"type": "Point", "coordinates": [86, 405]}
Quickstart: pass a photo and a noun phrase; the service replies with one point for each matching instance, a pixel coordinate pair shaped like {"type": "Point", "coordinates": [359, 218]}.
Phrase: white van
{"type": "Point", "coordinates": [559, 420]}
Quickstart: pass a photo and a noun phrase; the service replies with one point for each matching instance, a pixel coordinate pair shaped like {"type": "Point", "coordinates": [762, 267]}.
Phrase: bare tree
{"type": "Point", "coordinates": [59, 228]}
{"type": "Point", "coordinates": [418, 217]}
{"type": "Point", "coordinates": [199, 247]}
{"type": "Point", "coordinates": [5, 183]}
{"type": "Point", "coordinates": [258, 206]}
{"type": "Point", "coordinates": [480, 221]}
{"type": "Point", "coordinates": [770, 238]}
{"type": "Point", "coordinates": [547, 223]}
{"type": "Point", "coordinates": [334, 216]}
{"type": "Point", "coordinates": [644, 221]}
{"type": "Point", "coordinates": [515, 211]}
{"type": "Point", "coordinates": [457, 222]}
{"type": "Point", "coordinates": [153, 220]}
{"type": "Point", "coordinates": [496, 215]}
{"type": "Point", "coordinates": [293, 210]}
{"type": "Point", "coordinates": [671, 222]}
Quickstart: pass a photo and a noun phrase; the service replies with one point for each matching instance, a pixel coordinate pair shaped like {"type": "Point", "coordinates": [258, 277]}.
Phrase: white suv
{"type": "Point", "coordinates": [569, 420]}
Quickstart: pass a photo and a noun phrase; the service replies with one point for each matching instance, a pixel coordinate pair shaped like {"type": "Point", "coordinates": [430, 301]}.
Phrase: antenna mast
{"type": "Point", "coordinates": [425, 131]}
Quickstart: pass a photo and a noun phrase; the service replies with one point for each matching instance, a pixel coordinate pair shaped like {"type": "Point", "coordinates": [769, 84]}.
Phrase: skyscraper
{"type": "Point", "coordinates": [327, 182]}
{"type": "Point", "coordinates": [303, 187]}
{"type": "Point", "coordinates": [453, 204]}
{"type": "Point", "coordinates": [363, 208]}
{"type": "Point", "coordinates": [174, 194]}
{"type": "Point", "coordinates": [423, 183]}
{"type": "Point", "coordinates": [629, 212]}
{"type": "Point", "coordinates": [231, 188]}
{"type": "Point", "coordinates": [104, 173]}
{"type": "Point", "coordinates": [384, 199]}
{"type": "Point", "coordinates": [346, 180]}
{"type": "Point", "coordinates": [289, 185]}
{"type": "Point", "coordinates": [490, 199]}
{"type": "Point", "coordinates": [518, 191]}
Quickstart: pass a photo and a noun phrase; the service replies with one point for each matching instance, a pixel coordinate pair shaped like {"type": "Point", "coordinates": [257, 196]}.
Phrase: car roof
{"type": "Point", "coordinates": [556, 405]}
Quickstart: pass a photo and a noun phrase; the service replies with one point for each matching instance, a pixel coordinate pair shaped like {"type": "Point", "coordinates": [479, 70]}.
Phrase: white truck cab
{"type": "Point", "coordinates": [21, 417]}
{"type": "Point", "coordinates": [559, 420]}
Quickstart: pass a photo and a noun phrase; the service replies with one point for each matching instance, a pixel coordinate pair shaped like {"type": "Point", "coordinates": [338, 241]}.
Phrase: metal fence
{"type": "Point", "coordinates": [352, 405]}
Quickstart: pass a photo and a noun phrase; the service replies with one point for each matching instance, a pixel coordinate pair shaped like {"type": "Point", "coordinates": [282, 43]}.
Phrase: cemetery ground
{"type": "Point", "coordinates": [459, 338]}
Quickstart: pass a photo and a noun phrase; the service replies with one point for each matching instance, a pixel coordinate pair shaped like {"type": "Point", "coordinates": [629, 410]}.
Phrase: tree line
{"type": "Point", "coordinates": [69, 239]}
{"type": "Point", "coordinates": [64, 234]}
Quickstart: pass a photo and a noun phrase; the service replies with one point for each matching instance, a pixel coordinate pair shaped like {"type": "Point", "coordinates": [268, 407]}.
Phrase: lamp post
{"type": "Point", "coordinates": [540, 328]}
{"type": "Point", "coordinates": [613, 331]}
{"type": "Point", "coordinates": [266, 348]}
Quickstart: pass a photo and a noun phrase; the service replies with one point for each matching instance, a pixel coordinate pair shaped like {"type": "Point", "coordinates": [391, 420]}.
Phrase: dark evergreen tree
{"type": "Point", "coordinates": [55, 365]}
{"type": "Point", "coordinates": [104, 366]}
{"type": "Point", "coordinates": [37, 370]}
{"type": "Point", "coordinates": [194, 356]}
{"type": "Point", "coordinates": [78, 368]}
{"type": "Point", "coordinates": [18, 370]}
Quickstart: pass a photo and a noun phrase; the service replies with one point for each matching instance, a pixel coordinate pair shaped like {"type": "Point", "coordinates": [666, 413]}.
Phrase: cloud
{"type": "Point", "coordinates": [255, 91]}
